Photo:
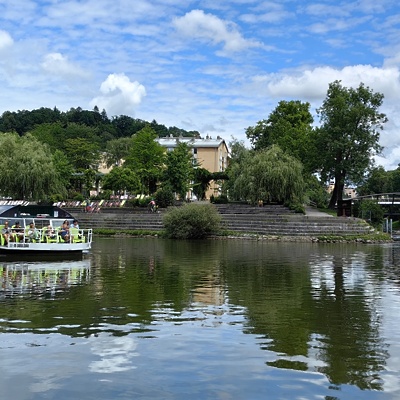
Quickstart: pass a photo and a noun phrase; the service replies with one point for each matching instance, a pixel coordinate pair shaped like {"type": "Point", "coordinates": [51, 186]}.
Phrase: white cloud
{"type": "Point", "coordinates": [57, 64]}
{"type": "Point", "coordinates": [312, 84]}
{"type": "Point", "coordinates": [119, 95]}
{"type": "Point", "coordinates": [5, 40]}
{"type": "Point", "coordinates": [209, 28]}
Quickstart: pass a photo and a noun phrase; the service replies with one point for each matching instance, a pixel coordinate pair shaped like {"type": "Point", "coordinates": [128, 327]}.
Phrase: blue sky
{"type": "Point", "coordinates": [207, 65]}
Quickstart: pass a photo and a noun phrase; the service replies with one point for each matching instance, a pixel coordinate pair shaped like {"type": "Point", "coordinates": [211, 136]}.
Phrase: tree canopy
{"type": "Point", "coordinates": [179, 169]}
{"type": "Point", "coordinates": [270, 175]}
{"type": "Point", "coordinates": [289, 126]}
{"type": "Point", "coordinates": [146, 159]}
{"type": "Point", "coordinates": [349, 135]}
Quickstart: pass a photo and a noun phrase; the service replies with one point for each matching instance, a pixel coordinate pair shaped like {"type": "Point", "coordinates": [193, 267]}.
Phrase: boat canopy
{"type": "Point", "coordinates": [34, 211]}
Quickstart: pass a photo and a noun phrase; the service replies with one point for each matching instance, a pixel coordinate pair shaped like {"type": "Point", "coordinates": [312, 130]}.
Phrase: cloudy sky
{"type": "Point", "coordinates": [214, 66]}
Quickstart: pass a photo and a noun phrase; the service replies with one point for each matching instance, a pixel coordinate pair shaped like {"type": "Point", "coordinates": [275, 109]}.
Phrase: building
{"type": "Point", "coordinates": [210, 154]}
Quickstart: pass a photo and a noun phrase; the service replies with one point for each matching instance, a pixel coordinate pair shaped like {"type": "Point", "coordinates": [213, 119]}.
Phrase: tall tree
{"type": "Point", "coordinates": [348, 137]}
{"type": "Point", "coordinates": [179, 169]}
{"type": "Point", "coordinates": [146, 159]}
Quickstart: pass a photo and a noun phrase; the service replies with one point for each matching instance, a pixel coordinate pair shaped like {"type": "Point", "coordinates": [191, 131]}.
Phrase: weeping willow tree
{"type": "Point", "coordinates": [270, 175]}
{"type": "Point", "coordinates": [28, 171]}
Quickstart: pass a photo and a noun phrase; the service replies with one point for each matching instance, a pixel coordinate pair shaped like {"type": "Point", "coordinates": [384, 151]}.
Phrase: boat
{"type": "Point", "coordinates": [43, 243]}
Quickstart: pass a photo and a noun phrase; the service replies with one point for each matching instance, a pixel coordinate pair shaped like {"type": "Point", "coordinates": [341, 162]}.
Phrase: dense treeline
{"type": "Point", "coordinates": [104, 128]}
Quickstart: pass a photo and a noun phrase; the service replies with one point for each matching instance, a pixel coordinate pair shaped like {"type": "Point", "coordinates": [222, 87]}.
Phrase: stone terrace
{"type": "Point", "coordinates": [268, 220]}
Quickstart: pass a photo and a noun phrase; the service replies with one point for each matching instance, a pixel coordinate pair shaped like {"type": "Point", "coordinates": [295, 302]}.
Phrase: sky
{"type": "Point", "coordinates": [213, 66]}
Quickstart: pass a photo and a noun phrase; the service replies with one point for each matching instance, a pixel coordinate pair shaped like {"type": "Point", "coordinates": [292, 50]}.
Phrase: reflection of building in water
{"type": "Point", "coordinates": [210, 292]}
{"type": "Point", "coordinates": [48, 277]}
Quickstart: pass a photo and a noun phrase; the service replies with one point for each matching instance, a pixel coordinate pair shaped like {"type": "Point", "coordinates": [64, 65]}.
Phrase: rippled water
{"type": "Point", "coordinates": [234, 319]}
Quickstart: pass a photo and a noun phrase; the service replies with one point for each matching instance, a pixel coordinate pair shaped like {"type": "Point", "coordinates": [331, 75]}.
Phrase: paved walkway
{"type": "Point", "coordinates": [313, 212]}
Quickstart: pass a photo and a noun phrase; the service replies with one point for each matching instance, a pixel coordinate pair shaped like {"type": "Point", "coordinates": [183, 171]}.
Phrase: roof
{"type": "Point", "coordinates": [171, 142]}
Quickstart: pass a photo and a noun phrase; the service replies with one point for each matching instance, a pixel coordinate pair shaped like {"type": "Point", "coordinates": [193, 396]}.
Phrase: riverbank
{"type": "Point", "coordinates": [274, 223]}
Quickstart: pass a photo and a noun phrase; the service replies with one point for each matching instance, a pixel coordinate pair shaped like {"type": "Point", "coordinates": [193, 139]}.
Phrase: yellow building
{"type": "Point", "coordinates": [211, 154]}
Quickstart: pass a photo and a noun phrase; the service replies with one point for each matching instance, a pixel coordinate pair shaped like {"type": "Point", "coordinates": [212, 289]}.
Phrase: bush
{"type": "Point", "coordinates": [371, 211]}
{"type": "Point", "coordinates": [223, 199]}
{"type": "Point", "coordinates": [164, 197]}
{"type": "Point", "coordinates": [192, 221]}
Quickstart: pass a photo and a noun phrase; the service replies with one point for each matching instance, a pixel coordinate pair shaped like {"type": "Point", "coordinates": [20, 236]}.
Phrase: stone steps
{"type": "Point", "coordinates": [279, 222]}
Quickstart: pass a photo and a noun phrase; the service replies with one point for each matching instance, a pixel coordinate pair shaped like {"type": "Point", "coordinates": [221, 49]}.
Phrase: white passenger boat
{"type": "Point", "coordinates": [44, 241]}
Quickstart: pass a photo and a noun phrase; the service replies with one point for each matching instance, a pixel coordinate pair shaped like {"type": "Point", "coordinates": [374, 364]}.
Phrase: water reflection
{"type": "Point", "coordinates": [223, 319]}
{"type": "Point", "coordinates": [38, 278]}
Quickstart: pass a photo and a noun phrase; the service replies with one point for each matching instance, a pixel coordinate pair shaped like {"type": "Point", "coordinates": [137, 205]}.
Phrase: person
{"type": "Point", "coordinates": [50, 232]}
{"type": "Point", "coordinates": [17, 234]}
{"type": "Point", "coordinates": [152, 206]}
{"type": "Point", "coordinates": [32, 233]}
{"type": "Point", "coordinates": [6, 232]}
{"type": "Point", "coordinates": [64, 232]}
{"type": "Point", "coordinates": [75, 224]}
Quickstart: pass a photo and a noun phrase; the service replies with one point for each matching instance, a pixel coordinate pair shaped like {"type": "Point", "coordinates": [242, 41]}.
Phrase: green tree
{"type": "Point", "coordinates": [201, 182]}
{"type": "Point", "coordinates": [239, 156]}
{"type": "Point", "coordinates": [376, 181]}
{"type": "Point", "coordinates": [146, 159]}
{"type": "Point", "coordinates": [121, 179]}
{"type": "Point", "coordinates": [348, 136]}
{"type": "Point", "coordinates": [289, 126]}
{"type": "Point", "coordinates": [28, 170]}
{"type": "Point", "coordinates": [82, 153]}
{"type": "Point", "coordinates": [178, 173]}
{"type": "Point", "coordinates": [270, 175]}
{"type": "Point", "coordinates": [117, 150]}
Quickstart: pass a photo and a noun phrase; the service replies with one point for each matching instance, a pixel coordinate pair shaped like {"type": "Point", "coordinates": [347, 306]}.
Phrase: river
{"type": "Point", "coordinates": [148, 318]}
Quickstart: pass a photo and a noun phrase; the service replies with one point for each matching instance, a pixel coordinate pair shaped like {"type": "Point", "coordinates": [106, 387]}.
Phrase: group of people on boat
{"type": "Point", "coordinates": [16, 232]}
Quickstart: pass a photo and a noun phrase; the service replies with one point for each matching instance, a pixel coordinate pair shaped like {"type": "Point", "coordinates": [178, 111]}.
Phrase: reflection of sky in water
{"type": "Point", "coordinates": [390, 331]}
{"type": "Point", "coordinates": [115, 353]}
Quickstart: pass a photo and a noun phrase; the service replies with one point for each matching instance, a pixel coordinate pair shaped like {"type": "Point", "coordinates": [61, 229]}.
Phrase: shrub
{"type": "Point", "coordinates": [164, 197]}
{"type": "Point", "coordinates": [192, 221]}
{"type": "Point", "coordinates": [222, 199]}
{"type": "Point", "coordinates": [371, 211]}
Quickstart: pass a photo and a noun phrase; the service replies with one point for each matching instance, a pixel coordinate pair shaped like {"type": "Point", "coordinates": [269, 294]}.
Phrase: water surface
{"type": "Point", "coordinates": [230, 319]}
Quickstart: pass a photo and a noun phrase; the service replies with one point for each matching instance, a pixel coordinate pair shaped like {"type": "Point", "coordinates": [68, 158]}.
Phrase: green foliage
{"type": "Point", "coordinates": [146, 159]}
{"type": "Point", "coordinates": [222, 199]}
{"type": "Point", "coordinates": [78, 197]}
{"type": "Point", "coordinates": [192, 221]}
{"type": "Point", "coordinates": [164, 197]}
{"type": "Point", "coordinates": [120, 179]}
{"type": "Point", "coordinates": [380, 181]}
{"type": "Point", "coordinates": [117, 150]}
{"type": "Point", "coordinates": [179, 169]}
{"type": "Point", "coordinates": [82, 153]}
{"type": "Point", "coordinates": [202, 178]}
{"type": "Point", "coordinates": [289, 126]}
{"type": "Point", "coordinates": [28, 171]}
{"type": "Point", "coordinates": [270, 175]}
{"type": "Point", "coordinates": [349, 134]}
{"type": "Point", "coordinates": [297, 207]}
{"type": "Point", "coordinates": [370, 210]}
{"type": "Point", "coordinates": [316, 192]}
